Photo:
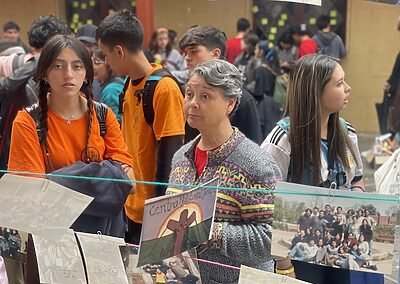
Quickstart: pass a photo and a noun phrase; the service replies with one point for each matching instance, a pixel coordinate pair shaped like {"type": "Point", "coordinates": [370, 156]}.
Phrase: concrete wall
{"type": "Point", "coordinates": [181, 14]}
{"type": "Point", "coordinates": [373, 43]}
{"type": "Point", "coordinates": [25, 11]}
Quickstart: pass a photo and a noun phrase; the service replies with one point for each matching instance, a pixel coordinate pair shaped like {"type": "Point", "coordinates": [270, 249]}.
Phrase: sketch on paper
{"type": "Point", "coordinates": [102, 258]}
{"type": "Point", "coordinates": [59, 261]}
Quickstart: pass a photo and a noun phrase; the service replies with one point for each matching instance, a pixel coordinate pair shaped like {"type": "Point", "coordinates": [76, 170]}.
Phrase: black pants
{"type": "Point", "coordinates": [134, 231]}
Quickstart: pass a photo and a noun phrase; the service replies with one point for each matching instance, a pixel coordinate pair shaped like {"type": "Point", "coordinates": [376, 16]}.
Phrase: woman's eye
{"type": "Point", "coordinates": [78, 66]}
{"type": "Point", "coordinates": [204, 96]}
{"type": "Point", "coordinates": [58, 66]}
{"type": "Point", "coordinates": [188, 94]}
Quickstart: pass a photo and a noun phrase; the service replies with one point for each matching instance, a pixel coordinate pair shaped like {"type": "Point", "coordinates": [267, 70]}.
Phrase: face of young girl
{"type": "Point", "coordinates": [100, 69]}
{"type": "Point", "coordinates": [67, 74]}
{"type": "Point", "coordinates": [336, 92]}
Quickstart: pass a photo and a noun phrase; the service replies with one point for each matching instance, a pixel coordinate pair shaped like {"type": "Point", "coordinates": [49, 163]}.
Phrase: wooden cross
{"type": "Point", "coordinates": [180, 228]}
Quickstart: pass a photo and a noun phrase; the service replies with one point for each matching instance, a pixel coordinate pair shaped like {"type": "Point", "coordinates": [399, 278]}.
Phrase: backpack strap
{"type": "Point", "coordinates": [148, 92]}
{"type": "Point", "coordinates": [34, 112]}
{"type": "Point", "coordinates": [18, 61]}
{"type": "Point", "coordinates": [121, 97]}
{"type": "Point", "coordinates": [101, 113]}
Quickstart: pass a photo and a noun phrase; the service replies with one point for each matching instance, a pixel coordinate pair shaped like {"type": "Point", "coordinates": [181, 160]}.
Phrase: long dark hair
{"type": "Point", "coordinates": [307, 80]}
{"type": "Point", "coordinates": [47, 58]}
{"type": "Point", "coordinates": [153, 46]}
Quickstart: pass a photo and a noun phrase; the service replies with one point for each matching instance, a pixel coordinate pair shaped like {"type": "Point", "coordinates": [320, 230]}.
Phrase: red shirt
{"type": "Point", "coordinates": [233, 49]}
{"type": "Point", "coordinates": [200, 159]}
{"type": "Point", "coordinates": [307, 46]}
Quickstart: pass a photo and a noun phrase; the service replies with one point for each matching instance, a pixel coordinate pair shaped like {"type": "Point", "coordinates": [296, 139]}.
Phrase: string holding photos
{"type": "Point", "coordinates": [366, 196]}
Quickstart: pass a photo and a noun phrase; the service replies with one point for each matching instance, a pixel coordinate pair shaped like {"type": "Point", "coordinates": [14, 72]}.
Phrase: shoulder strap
{"type": "Point", "coordinates": [34, 112]}
{"type": "Point", "coordinates": [121, 97]}
{"type": "Point", "coordinates": [18, 61]}
{"type": "Point", "coordinates": [101, 113]}
{"type": "Point", "coordinates": [148, 92]}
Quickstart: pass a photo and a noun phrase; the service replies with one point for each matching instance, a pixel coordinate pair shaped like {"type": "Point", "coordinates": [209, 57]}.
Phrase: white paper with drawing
{"type": "Point", "coordinates": [59, 261]}
{"type": "Point", "coordinates": [103, 258]}
{"type": "Point", "coordinates": [256, 276]}
{"type": "Point", "coordinates": [38, 206]}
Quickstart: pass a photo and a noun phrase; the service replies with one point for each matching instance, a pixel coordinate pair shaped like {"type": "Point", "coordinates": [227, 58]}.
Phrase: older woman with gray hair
{"type": "Point", "coordinates": [242, 231]}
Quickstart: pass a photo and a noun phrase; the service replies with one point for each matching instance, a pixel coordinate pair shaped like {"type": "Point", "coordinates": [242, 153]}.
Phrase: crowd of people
{"type": "Point", "coordinates": [157, 100]}
{"type": "Point", "coordinates": [10, 243]}
{"type": "Point", "coordinates": [334, 237]}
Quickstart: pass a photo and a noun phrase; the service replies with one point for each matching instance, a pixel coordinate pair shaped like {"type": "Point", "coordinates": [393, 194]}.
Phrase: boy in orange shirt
{"type": "Point", "coordinates": [120, 36]}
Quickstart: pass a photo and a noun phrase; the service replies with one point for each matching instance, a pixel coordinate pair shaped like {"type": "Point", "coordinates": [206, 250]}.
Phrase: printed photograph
{"type": "Point", "coordinates": [180, 269]}
{"type": "Point", "coordinates": [343, 230]}
{"type": "Point", "coordinates": [13, 244]}
{"type": "Point", "coordinates": [176, 223]}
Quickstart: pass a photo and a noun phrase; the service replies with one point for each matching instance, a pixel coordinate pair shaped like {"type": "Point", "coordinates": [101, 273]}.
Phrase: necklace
{"type": "Point", "coordinates": [71, 117]}
{"type": "Point", "coordinates": [68, 121]}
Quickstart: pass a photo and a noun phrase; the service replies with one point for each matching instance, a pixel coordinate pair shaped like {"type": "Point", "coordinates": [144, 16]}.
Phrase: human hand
{"type": "Point", "coordinates": [129, 172]}
{"type": "Point", "coordinates": [386, 87]}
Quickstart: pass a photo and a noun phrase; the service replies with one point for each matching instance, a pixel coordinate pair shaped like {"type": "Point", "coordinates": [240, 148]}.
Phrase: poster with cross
{"type": "Point", "coordinates": [176, 223]}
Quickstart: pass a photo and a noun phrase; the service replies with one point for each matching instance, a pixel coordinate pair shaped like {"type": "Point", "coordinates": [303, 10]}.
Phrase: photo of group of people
{"type": "Point", "coordinates": [341, 231]}
{"type": "Point", "coordinates": [334, 237]}
{"type": "Point", "coordinates": [13, 244]}
{"type": "Point", "coordinates": [180, 269]}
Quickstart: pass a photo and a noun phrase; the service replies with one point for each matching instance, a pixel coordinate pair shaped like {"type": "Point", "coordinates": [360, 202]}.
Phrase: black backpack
{"type": "Point", "coordinates": [147, 93]}
{"type": "Point", "coordinates": [16, 92]}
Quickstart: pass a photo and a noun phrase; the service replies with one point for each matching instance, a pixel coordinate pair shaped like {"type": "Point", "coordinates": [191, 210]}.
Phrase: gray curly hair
{"type": "Point", "coordinates": [221, 74]}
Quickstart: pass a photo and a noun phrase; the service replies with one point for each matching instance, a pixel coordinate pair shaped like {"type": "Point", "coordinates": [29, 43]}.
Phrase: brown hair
{"type": "Point", "coordinates": [307, 80]}
{"type": "Point", "coordinates": [47, 58]}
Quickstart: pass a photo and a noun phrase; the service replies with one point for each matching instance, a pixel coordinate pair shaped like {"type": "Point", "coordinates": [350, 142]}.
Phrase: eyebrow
{"type": "Point", "coordinates": [192, 47]}
{"type": "Point", "coordinates": [64, 61]}
{"type": "Point", "coordinates": [204, 87]}
{"type": "Point", "coordinates": [341, 79]}
{"type": "Point", "coordinates": [208, 87]}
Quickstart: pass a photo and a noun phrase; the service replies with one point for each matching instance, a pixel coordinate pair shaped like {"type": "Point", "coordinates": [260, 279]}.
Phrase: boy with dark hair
{"type": "Point", "coordinates": [203, 43]}
{"type": "Point", "coordinates": [235, 45]}
{"type": "Point", "coordinates": [301, 37]}
{"type": "Point", "coordinates": [329, 43]}
{"type": "Point", "coordinates": [11, 32]}
{"type": "Point", "coordinates": [120, 37]}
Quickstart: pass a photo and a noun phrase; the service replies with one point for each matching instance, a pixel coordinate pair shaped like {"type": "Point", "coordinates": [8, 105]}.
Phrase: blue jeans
{"type": "Point", "coordinates": [298, 254]}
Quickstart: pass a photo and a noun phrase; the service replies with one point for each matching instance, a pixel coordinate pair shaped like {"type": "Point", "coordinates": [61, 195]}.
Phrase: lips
{"type": "Point", "coordinates": [68, 85]}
